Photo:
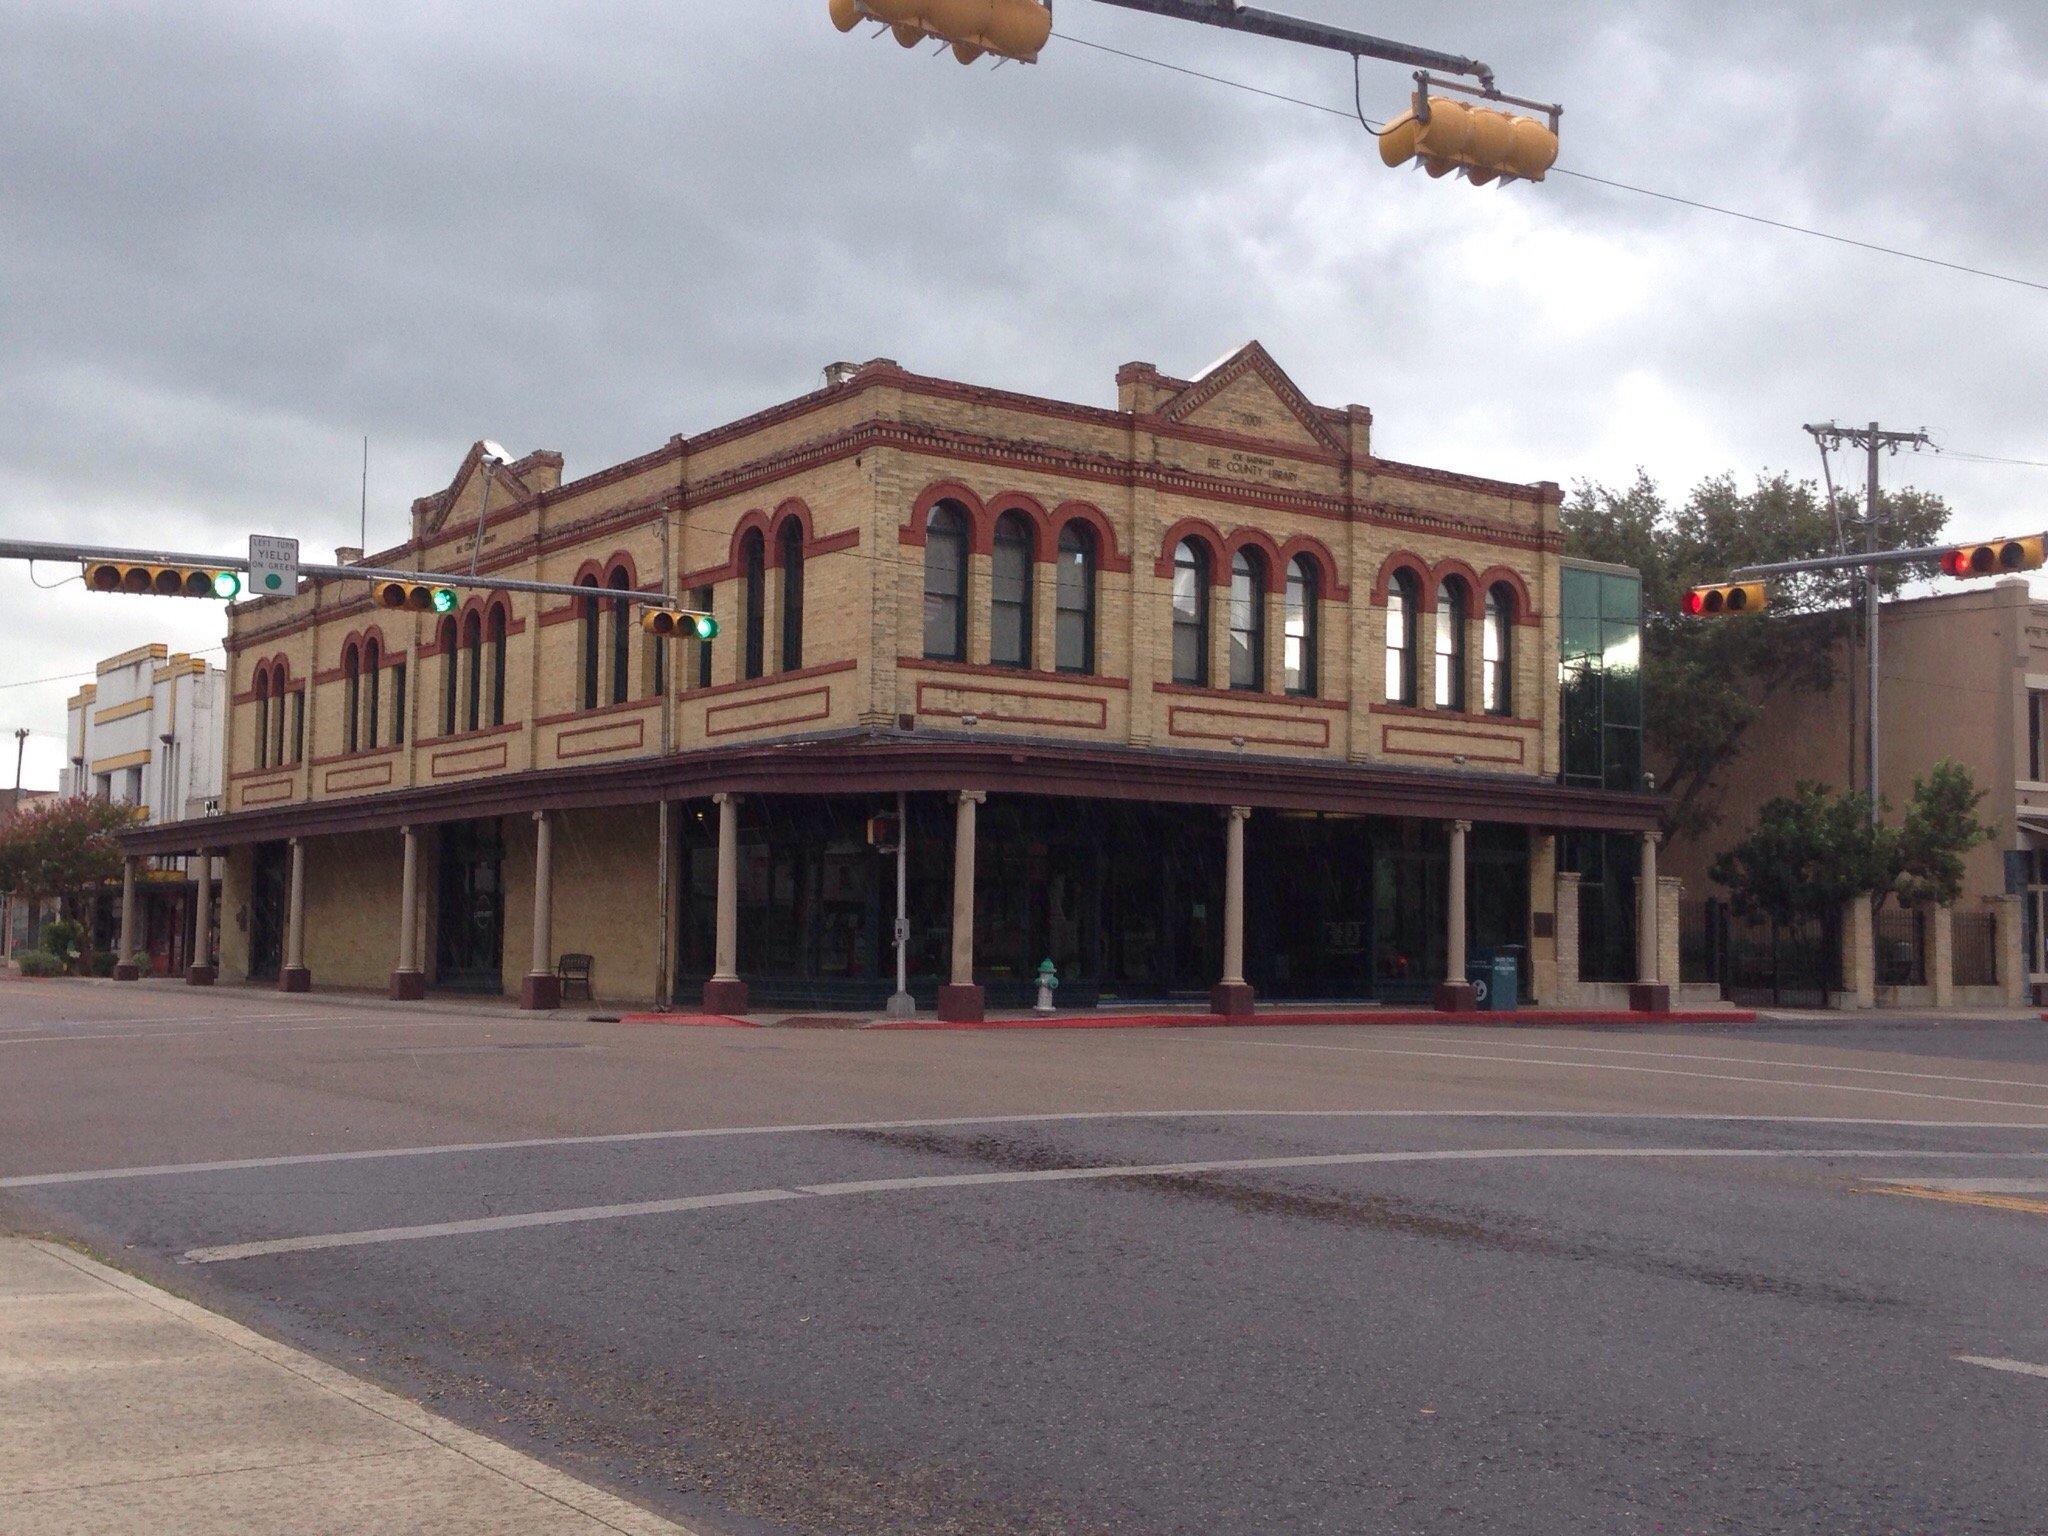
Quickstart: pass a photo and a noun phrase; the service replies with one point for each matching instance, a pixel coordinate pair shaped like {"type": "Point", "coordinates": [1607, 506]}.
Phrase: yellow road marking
{"type": "Point", "coordinates": [1961, 1197]}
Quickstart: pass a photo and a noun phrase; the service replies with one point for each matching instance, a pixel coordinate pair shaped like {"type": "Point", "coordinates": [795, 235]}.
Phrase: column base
{"type": "Point", "coordinates": [201, 975]}
{"type": "Point", "coordinates": [127, 973]}
{"type": "Point", "coordinates": [295, 978]}
{"type": "Point", "coordinates": [901, 1005]}
{"type": "Point", "coordinates": [540, 991]}
{"type": "Point", "coordinates": [1232, 999]}
{"type": "Point", "coordinates": [1649, 997]}
{"type": "Point", "coordinates": [727, 997]}
{"type": "Point", "coordinates": [960, 1004]}
{"type": "Point", "coordinates": [1457, 997]}
{"type": "Point", "coordinates": [408, 986]}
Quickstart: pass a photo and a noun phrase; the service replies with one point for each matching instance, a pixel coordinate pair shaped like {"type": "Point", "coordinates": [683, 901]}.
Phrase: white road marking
{"type": "Point", "coordinates": [954, 1122]}
{"type": "Point", "coordinates": [1754, 1061]}
{"type": "Point", "coordinates": [226, 1252]}
{"type": "Point", "coordinates": [1616, 1066]}
{"type": "Point", "coordinates": [1978, 1186]}
{"type": "Point", "coordinates": [2016, 1367]}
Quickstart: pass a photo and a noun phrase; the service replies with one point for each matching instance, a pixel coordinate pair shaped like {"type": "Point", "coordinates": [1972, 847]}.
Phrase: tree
{"type": "Point", "coordinates": [1706, 681]}
{"type": "Point", "coordinates": [62, 848]}
{"type": "Point", "coordinates": [1810, 853]}
{"type": "Point", "coordinates": [1940, 827]}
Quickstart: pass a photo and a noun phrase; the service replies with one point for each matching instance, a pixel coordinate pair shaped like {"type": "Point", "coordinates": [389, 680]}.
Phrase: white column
{"type": "Point", "coordinates": [542, 969]}
{"type": "Point", "coordinates": [124, 962]}
{"type": "Point", "coordinates": [1454, 934]}
{"type": "Point", "coordinates": [292, 976]}
{"type": "Point", "coordinates": [726, 959]}
{"type": "Point", "coordinates": [200, 972]}
{"type": "Point", "coordinates": [408, 981]}
{"type": "Point", "coordinates": [963, 886]}
{"type": "Point", "coordinates": [1233, 896]}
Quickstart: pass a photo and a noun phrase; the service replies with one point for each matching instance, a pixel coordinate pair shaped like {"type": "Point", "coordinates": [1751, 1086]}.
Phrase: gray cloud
{"type": "Point", "coordinates": [233, 238]}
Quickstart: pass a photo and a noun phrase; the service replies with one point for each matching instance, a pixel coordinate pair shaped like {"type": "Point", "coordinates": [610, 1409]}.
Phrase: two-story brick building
{"type": "Point", "coordinates": [1199, 695]}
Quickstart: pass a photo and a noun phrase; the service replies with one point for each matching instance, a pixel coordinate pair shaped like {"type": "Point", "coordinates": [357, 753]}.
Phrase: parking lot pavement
{"type": "Point", "coordinates": [1235, 1281]}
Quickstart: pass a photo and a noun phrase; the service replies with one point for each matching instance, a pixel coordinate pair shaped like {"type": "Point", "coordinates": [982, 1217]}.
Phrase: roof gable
{"type": "Point", "coordinates": [1247, 394]}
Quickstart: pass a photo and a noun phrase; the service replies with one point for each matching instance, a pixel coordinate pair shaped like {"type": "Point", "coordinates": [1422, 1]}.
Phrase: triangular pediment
{"type": "Point", "coordinates": [514, 482]}
{"type": "Point", "coordinates": [1248, 395]}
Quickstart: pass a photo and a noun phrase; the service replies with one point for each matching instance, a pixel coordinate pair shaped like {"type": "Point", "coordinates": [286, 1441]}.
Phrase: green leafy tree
{"type": "Point", "coordinates": [1939, 829]}
{"type": "Point", "coordinates": [62, 848]}
{"type": "Point", "coordinates": [1810, 853]}
{"type": "Point", "coordinates": [1706, 681]}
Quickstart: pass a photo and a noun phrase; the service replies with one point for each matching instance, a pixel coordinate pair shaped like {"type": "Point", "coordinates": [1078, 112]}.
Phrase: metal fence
{"type": "Point", "coordinates": [1975, 949]}
{"type": "Point", "coordinates": [1760, 962]}
{"type": "Point", "coordinates": [1901, 948]}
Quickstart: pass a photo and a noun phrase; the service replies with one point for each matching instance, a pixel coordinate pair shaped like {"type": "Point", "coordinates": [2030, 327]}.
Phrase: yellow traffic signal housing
{"type": "Point", "coordinates": [2000, 557]}
{"type": "Point", "coordinates": [1733, 597]}
{"type": "Point", "coordinates": [414, 596]}
{"type": "Point", "coordinates": [666, 622]}
{"type": "Point", "coordinates": [1010, 29]}
{"type": "Point", "coordinates": [162, 580]}
{"type": "Point", "coordinates": [1485, 143]}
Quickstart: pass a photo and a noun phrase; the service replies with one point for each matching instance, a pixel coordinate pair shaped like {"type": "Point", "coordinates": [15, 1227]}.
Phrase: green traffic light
{"type": "Point", "coordinates": [444, 599]}
{"type": "Point", "coordinates": [227, 585]}
{"type": "Point", "coordinates": [707, 627]}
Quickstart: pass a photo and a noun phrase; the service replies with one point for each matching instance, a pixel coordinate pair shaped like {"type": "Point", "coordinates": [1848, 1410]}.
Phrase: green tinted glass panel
{"type": "Point", "coordinates": [1580, 638]}
{"type": "Point", "coordinates": [1580, 596]}
{"type": "Point", "coordinates": [1621, 597]}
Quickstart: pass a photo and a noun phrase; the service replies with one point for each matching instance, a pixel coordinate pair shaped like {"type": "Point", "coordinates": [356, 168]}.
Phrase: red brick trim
{"type": "Point", "coordinates": [1021, 717]}
{"type": "Point", "coordinates": [1263, 542]}
{"type": "Point", "coordinates": [1203, 533]}
{"type": "Point", "coordinates": [1247, 696]}
{"type": "Point", "coordinates": [823, 669]}
{"type": "Point", "coordinates": [648, 702]}
{"type": "Point", "coordinates": [1401, 560]}
{"type": "Point", "coordinates": [478, 734]}
{"type": "Point", "coordinates": [982, 669]}
{"type": "Point", "coordinates": [382, 771]}
{"type": "Point", "coordinates": [1250, 717]}
{"type": "Point", "coordinates": [286, 788]}
{"type": "Point", "coordinates": [444, 763]}
{"type": "Point", "coordinates": [1109, 556]}
{"type": "Point", "coordinates": [1525, 610]}
{"type": "Point", "coordinates": [1448, 568]}
{"type": "Point", "coordinates": [639, 740]}
{"type": "Point", "coordinates": [822, 712]}
{"type": "Point", "coordinates": [1463, 716]}
{"type": "Point", "coordinates": [1519, 743]}
{"type": "Point", "coordinates": [1328, 587]}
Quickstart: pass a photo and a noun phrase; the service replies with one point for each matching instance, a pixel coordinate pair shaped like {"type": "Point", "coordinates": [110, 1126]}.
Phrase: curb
{"type": "Point", "coordinates": [691, 1020]}
{"type": "Point", "coordinates": [1385, 1017]}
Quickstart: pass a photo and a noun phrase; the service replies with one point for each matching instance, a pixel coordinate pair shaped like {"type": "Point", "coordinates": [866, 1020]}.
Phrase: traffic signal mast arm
{"type": "Point", "coordinates": [87, 554]}
{"type": "Point", "coordinates": [1933, 554]}
{"type": "Point", "coordinates": [1315, 34]}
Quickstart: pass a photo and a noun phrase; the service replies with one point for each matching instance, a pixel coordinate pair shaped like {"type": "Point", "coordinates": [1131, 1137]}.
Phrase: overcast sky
{"type": "Point", "coordinates": [236, 238]}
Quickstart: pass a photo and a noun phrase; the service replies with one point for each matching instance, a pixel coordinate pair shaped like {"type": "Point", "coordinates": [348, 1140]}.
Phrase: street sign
{"type": "Point", "coordinates": [273, 565]}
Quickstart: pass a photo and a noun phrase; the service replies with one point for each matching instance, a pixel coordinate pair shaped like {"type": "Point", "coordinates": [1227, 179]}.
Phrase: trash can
{"type": "Point", "coordinates": [1496, 976]}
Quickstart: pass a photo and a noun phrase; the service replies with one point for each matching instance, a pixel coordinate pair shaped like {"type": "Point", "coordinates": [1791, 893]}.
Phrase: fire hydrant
{"type": "Point", "coordinates": [1048, 982]}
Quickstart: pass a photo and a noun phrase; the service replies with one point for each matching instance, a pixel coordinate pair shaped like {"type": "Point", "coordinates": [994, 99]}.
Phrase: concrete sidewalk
{"type": "Point", "coordinates": [123, 1408]}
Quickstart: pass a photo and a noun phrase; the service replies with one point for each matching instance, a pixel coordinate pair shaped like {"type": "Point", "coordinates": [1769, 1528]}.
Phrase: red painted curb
{"type": "Point", "coordinates": [1521, 1019]}
{"type": "Point", "coordinates": [690, 1020]}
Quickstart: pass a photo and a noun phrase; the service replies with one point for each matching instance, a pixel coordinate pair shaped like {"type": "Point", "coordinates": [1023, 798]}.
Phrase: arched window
{"type": "Point", "coordinates": [1304, 620]}
{"type": "Point", "coordinates": [789, 550]}
{"type": "Point", "coordinates": [263, 717]}
{"type": "Point", "coordinates": [447, 677]}
{"type": "Point", "coordinates": [299, 723]}
{"type": "Point", "coordinates": [472, 670]}
{"type": "Point", "coordinates": [373, 677]}
{"type": "Point", "coordinates": [945, 583]}
{"type": "Point", "coordinates": [497, 639]}
{"type": "Point", "coordinates": [1074, 606]}
{"type": "Point", "coordinates": [277, 756]}
{"type": "Point", "coordinates": [1009, 593]}
{"type": "Point", "coordinates": [351, 697]}
{"type": "Point", "coordinates": [622, 634]}
{"type": "Point", "coordinates": [1497, 652]}
{"type": "Point", "coordinates": [397, 671]}
{"type": "Point", "coordinates": [1404, 596]}
{"type": "Point", "coordinates": [1191, 614]}
{"type": "Point", "coordinates": [588, 617]}
{"type": "Point", "coordinates": [1248, 620]}
{"type": "Point", "coordinates": [753, 552]}
{"type": "Point", "coordinates": [1450, 645]}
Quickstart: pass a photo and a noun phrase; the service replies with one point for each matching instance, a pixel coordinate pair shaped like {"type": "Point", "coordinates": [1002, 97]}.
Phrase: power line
{"type": "Point", "coordinates": [1988, 458]}
{"type": "Point", "coordinates": [72, 677]}
{"type": "Point", "coordinates": [1587, 176]}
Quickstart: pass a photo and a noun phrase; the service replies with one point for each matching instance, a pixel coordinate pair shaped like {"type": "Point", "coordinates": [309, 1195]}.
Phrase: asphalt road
{"type": "Point", "coordinates": [1217, 1281]}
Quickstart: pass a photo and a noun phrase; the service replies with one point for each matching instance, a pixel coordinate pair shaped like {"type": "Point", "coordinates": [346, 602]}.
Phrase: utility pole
{"type": "Point", "coordinates": [1873, 440]}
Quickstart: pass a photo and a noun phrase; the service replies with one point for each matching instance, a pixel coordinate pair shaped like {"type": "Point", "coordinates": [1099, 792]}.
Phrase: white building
{"type": "Point", "coordinates": [147, 732]}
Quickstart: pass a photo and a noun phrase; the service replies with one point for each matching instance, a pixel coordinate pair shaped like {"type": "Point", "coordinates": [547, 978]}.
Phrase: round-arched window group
{"type": "Point", "coordinates": [1012, 593]}
{"type": "Point", "coordinates": [373, 695]}
{"type": "Point", "coordinates": [280, 716]}
{"type": "Point", "coordinates": [1249, 652]}
{"type": "Point", "coordinates": [1452, 610]}
{"type": "Point", "coordinates": [473, 669]}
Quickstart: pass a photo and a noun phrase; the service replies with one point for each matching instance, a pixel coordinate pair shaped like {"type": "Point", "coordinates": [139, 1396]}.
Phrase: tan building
{"type": "Point", "coordinates": [1192, 696]}
{"type": "Point", "coordinates": [1962, 675]}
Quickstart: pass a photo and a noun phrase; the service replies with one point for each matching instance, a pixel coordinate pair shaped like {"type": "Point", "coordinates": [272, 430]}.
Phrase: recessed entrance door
{"type": "Point", "coordinates": [269, 887]}
{"type": "Point", "coordinates": [469, 929]}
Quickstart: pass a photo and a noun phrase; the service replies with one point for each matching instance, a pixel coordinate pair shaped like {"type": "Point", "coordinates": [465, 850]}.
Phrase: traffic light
{"type": "Point", "coordinates": [665, 622]}
{"type": "Point", "coordinates": [1485, 143]}
{"type": "Point", "coordinates": [414, 596]}
{"type": "Point", "coordinates": [1010, 29]}
{"type": "Point", "coordinates": [163, 580]}
{"type": "Point", "coordinates": [2000, 557]}
{"type": "Point", "coordinates": [1733, 597]}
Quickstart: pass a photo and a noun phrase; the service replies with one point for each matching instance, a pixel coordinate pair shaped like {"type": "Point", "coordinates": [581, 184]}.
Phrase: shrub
{"type": "Point", "coordinates": [64, 939]}
{"type": "Point", "coordinates": [100, 963]}
{"type": "Point", "coordinates": [39, 962]}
